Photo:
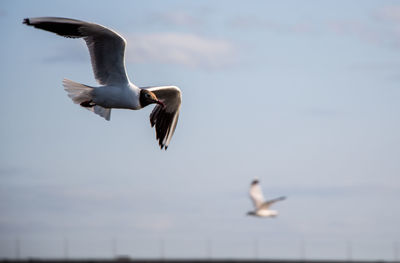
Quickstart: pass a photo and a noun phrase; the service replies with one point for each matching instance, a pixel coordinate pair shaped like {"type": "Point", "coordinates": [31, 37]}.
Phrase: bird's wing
{"type": "Point", "coordinates": [256, 194]}
{"type": "Point", "coordinates": [165, 118]}
{"type": "Point", "coordinates": [106, 47]}
{"type": "Point", "coordinates": [268, 203]}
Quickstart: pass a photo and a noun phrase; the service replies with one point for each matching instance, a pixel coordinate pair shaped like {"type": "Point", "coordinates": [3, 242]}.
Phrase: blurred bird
{"type": "Point", "coordinates": [107, 48]}
{"type": "Point", "coordinates": [261, 206]}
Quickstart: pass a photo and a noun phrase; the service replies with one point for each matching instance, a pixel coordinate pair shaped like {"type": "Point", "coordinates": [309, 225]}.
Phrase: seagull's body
{"type": "Point", "coordinates": [117, 96]}
{"type": "Point", "coordinates": [107, 49]}
{"type": "Point", "coordinates": [261, 207]}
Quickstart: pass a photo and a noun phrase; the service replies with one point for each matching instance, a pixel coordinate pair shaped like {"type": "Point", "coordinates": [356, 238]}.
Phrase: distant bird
{"type": "Point", "coordinates": [107, 48]}
{"type": "Point", "coordinates": [261, 206]}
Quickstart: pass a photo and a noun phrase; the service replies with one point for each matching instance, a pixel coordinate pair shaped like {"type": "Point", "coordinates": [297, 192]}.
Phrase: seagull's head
{"type": "Point", "coordinates": [251, 213]}
{"type": "Point", "coordinates": [147, 97]}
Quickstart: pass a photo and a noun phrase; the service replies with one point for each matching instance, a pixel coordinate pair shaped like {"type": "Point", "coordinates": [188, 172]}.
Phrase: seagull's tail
{"type": "Point", "coordinates": [79, 93]}
{"type": "Point", "coordinates": [83, 95]}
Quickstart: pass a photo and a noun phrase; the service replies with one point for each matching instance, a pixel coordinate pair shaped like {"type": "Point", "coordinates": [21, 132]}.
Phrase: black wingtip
{"type": "Point", "coordinates": [26, 21]}
{"type": "Point", "coordinates": [163, 147]}
{"type": "Point", "coordinates": [280, 198]}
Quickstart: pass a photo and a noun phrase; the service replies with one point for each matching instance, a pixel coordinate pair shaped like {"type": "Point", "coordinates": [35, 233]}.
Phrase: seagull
{"type": "Point", "coordinates": [107, 48]}
{"type": "Point", "coordinates": [261, 206]}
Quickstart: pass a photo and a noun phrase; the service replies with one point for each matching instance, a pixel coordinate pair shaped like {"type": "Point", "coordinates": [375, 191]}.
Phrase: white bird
{"type": "Point", "coordinates": [107, 48]}
{"type": "Point", "coordinates": [261, 207]}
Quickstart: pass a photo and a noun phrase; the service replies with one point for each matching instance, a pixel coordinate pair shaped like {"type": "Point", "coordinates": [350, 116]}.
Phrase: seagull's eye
{"type": "Point", "coordinates": [147, 95]}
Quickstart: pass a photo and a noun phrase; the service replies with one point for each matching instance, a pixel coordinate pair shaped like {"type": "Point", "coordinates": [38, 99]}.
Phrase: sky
{"type": "Point", "coordinates": [303, 95]}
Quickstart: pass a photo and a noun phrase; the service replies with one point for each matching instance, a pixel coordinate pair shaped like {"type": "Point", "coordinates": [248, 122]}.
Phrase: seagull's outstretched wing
{"type": "Point", "coordinates": [256, 194]}
{"type": "Point", "coordinates": [165, 118]}
{"type": "Point", "coordinates": [268, 203]}
{"type": "Point", "coordinates": [106, 47]}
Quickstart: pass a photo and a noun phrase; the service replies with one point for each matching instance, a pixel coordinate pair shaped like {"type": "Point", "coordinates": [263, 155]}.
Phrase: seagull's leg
{"type": "Point", "coordinates": [88, 104]}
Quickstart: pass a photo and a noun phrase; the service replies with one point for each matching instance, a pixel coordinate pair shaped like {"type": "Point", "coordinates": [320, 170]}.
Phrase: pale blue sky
{"type": "Point", "coordinates": [301, 94]}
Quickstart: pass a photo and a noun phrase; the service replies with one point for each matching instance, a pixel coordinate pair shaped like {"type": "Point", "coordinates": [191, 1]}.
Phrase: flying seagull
{"type": "Point", "coordinates": [261, 206]}
{"type": "Point", "coordinates": [107, 48]}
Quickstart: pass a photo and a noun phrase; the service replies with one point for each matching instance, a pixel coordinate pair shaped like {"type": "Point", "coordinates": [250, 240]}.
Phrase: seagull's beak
{"type": "Point", "coordinates": [159, 102]}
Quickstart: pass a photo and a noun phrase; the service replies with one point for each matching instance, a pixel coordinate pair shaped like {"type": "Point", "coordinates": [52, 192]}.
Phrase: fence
{"type": "Point", "coordinates": [164, 248]}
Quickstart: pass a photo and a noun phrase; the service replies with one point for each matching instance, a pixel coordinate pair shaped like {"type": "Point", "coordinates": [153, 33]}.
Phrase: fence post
{"type": "Point", "coordinates": [256, 248]}
{"type": "Point", "coordinates": [114, 247]}
{"type": "Point", "coordinates": [396, 250]}
{"type": "Point", "coordinates": [208, 248]}
{"type": "Point", "coordinates": [303, 250]}
{"type": "Point", "coordinates": [17, 248]}
{"type": "Point", "coordinates": [66, 248]}
{"type": "Point", "coordinates": [349, 251]}
{"type": "Point", "coordinates": [162, 248]}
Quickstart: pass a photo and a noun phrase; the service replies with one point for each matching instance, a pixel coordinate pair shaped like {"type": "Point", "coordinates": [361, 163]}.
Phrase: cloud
{"type": "Point", "coordinates": [345, 28]}
{"type": "Point", "coordinates": [255, 23]}
{"type": "Point", "coordinates": [370, 33]}
{"type": "Point", "coordinates": [384, 30]}
{"type": "Point", "coordinates": [389, 16]}
{"type": "Point", "coordinates": [178, 18]}
{"type": "Point", "coordinates": [389, 13]}
{"type": "Point", "coordinates": [183, 49]}
{"type": "Point", "coordinates": [383, 27]}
